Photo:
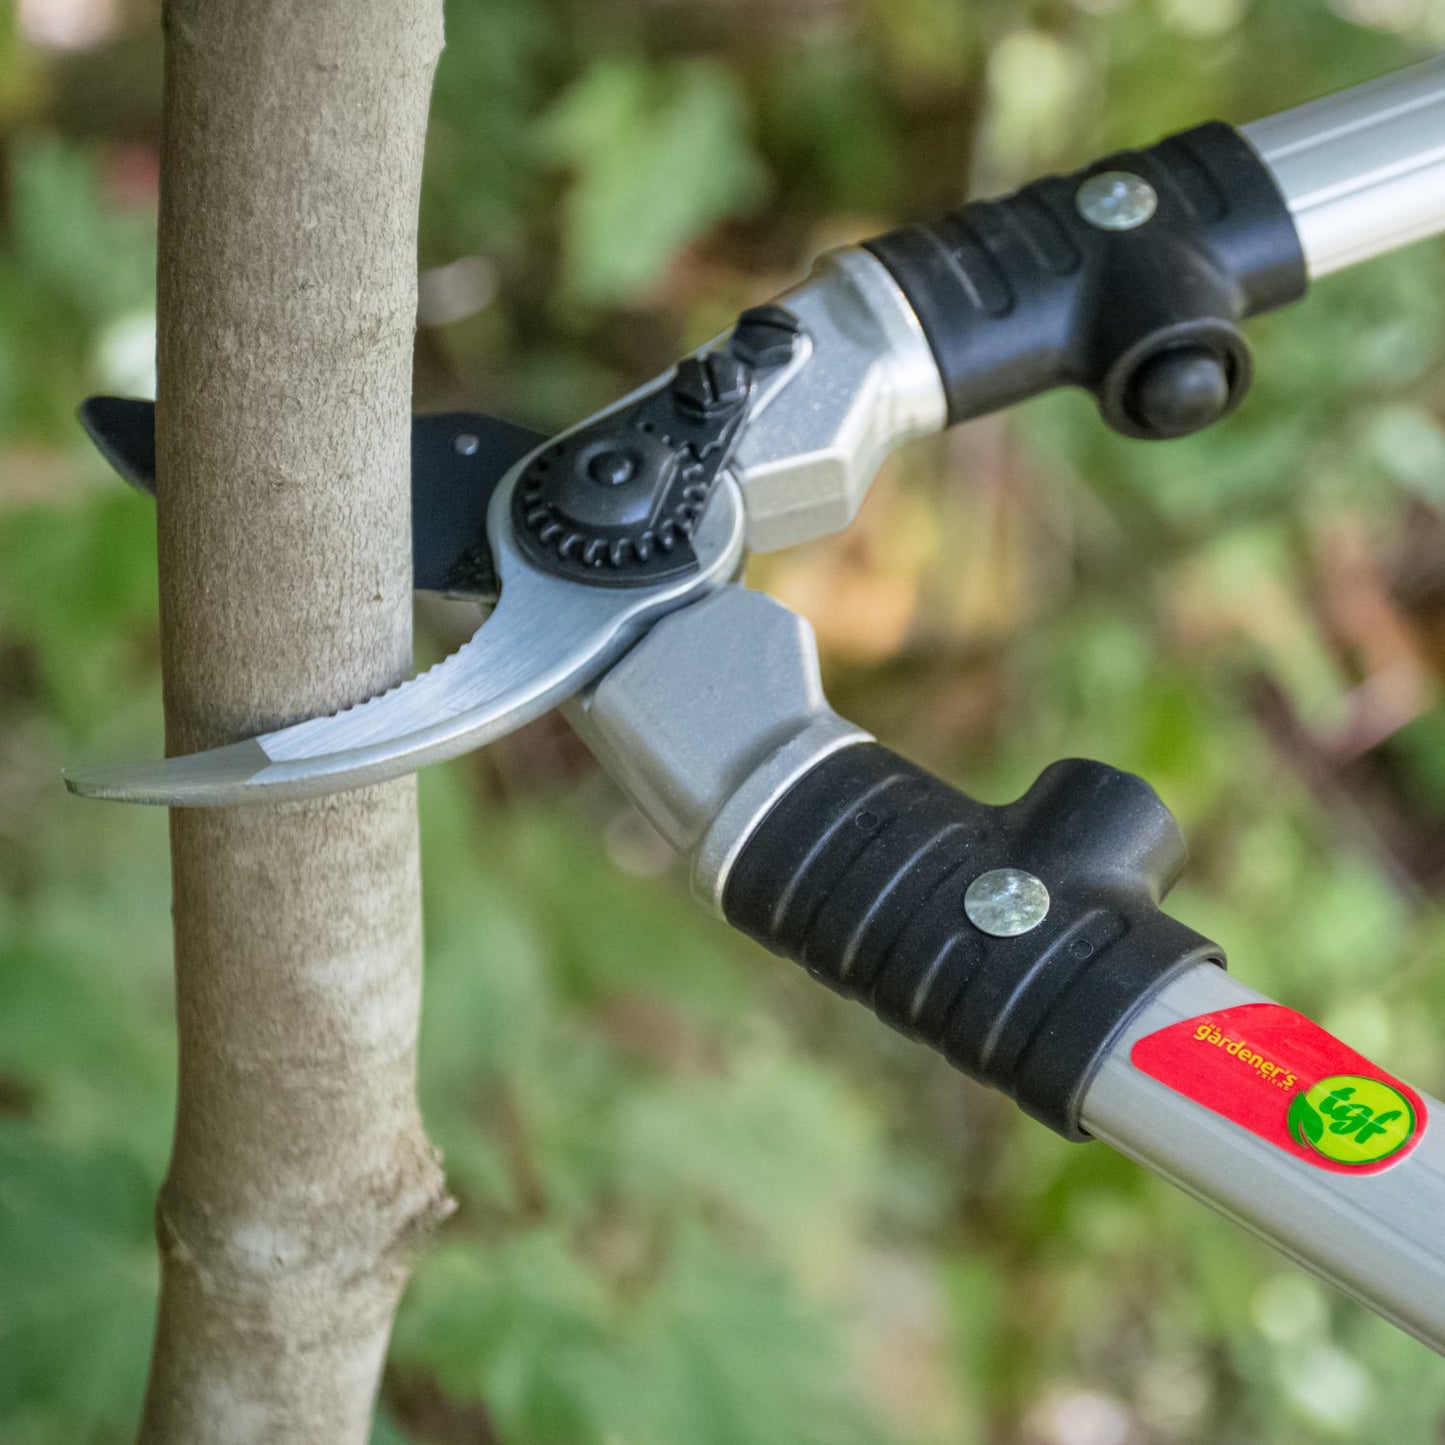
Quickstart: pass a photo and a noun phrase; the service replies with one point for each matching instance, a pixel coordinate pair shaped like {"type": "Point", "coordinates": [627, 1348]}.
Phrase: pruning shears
{"type": "Point", "coordinates": [1023, 941]}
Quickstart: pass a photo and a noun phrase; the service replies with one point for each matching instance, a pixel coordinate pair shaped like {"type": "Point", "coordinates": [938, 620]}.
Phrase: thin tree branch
{"type": "Point", "coordinates": [301, 1178]}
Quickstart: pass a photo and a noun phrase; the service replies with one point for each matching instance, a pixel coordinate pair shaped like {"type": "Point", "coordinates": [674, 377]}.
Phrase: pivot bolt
{"type": "Point", "coordinates": [1116, 200]}
{"type": "Point", "coordinates": [612, 468]}
{"type": "Point", "coordinates": [1006, 902]}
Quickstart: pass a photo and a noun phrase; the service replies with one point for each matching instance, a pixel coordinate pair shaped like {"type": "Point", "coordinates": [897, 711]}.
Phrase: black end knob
{"type": "Point", "coordinates": [1180, 391]}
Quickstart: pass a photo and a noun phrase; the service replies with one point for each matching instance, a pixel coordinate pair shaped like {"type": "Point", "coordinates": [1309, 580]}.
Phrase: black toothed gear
{"type": "Point", "coordinates": [597, 482]}
{"type": "Point", "coordinates": [617, 502]}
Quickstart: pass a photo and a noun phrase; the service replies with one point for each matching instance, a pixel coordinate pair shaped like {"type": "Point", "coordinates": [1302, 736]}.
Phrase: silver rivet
{"type": "Point", "coordinates": [1116, 200]}
{"type": "Point", "coordinates": [1006, 902]}
{"type": "Point", "coordinates": [467, 444]}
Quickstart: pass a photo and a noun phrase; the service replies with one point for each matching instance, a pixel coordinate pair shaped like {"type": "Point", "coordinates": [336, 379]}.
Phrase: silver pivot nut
{"type": "Point", "coordinates": [1116, 200]}
{"type": "Point", "coordinates": [1006, 902]}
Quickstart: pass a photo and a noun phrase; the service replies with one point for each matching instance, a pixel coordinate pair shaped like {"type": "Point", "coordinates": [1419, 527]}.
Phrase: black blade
{"type": "Point", "coordinates": [124, 433]}
{"type": "Point", "coordinates": [457, 460]}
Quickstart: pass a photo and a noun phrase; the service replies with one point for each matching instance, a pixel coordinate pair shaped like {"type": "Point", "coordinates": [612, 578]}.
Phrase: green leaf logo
{"type": "Point", "coordinates": [1351, 1119]}
{"type": "Point", "coordinates": [1305, 1125]}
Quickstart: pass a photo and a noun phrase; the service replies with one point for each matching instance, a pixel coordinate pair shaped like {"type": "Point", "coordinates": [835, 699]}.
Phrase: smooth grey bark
{"type": "Point", "coordinates": [301, 1178]}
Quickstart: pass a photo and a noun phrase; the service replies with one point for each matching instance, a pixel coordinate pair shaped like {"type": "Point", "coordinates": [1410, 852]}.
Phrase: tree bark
{"type": "Point", "coordinates": [301, 1178]}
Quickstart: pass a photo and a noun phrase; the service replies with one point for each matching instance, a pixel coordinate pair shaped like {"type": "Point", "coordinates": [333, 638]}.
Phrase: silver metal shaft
{"type": "Point", "coordinates": [1364, 170]}
{"type": "Point", "coordinates": [709, 720]}
{"type": "Point", "coordinates": [1379, 1237]}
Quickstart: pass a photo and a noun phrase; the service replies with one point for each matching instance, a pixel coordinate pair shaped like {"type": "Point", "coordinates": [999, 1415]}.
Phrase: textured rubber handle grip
{"type": "Point", "coordinates": [859, 873]}
{"type": "Point", "coordinates": [1025, 293]}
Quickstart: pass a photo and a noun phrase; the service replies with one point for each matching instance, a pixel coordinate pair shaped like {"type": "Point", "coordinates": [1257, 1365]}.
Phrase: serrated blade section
{"type": "Point", "coordinates": [546, 639]}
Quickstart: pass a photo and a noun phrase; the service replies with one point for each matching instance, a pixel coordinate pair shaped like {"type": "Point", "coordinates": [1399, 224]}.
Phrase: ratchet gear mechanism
{"type": "Point", "coordinates": [616, 502]}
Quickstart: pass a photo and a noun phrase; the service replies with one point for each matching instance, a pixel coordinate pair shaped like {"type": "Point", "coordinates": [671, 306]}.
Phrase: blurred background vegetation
{"type": "Point", "coordinates": [702, 1200]}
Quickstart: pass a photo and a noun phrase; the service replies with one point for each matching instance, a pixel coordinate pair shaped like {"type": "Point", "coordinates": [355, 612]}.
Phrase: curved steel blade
{"type": "Point", "coordinates": [546, 639]}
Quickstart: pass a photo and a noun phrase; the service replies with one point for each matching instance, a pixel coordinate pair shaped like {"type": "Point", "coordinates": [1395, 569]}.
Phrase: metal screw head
{"type": "Point", "coordinates": [1116, 200]}
{"type": "Point", "coordinates": [1006, 902]}
{"type": "Point", "coordinates": [466, 444]}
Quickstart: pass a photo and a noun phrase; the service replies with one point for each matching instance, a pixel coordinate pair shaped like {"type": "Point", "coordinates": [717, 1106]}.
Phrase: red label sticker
{"type": "Point", "coordinates": [1281, 1076]}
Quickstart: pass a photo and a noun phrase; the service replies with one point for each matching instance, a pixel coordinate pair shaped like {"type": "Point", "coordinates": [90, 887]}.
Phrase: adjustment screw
{"type": "Point", "coordinates": [612, 468]}
{"type": "Point", "coordinates": [729, 380]}
{"type": "Point", "coordinates": [1006, 902]}
{"type": "Point", "coordinates": [691, 393]}
{"type": "Point", "coordinates": [765, 336]}
{"type": "Point", "coordinates": [1116, 200]}
{"type": "Point", "coordinates": [706, 386]}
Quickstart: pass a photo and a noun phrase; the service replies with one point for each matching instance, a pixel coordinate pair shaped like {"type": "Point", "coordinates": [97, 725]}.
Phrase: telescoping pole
{"type": "Point", "coordinates": [1363, 171]}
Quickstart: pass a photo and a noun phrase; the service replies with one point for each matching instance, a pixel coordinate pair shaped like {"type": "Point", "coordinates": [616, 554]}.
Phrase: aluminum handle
{"type": "Point", "coordinates": [1377, 1236]}
{"type": "Point", "coordinates": [1363, 171]}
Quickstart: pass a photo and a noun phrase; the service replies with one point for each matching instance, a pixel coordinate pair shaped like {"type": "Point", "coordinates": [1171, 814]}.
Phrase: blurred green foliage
{"type": "Point", "coordinates": [699, 1199]}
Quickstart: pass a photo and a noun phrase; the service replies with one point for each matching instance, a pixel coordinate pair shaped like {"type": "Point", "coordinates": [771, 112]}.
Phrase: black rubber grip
{"type": "Point", "coordinates": [859, 873]}
{"type": "Point", "coordinates": [1022, 294]}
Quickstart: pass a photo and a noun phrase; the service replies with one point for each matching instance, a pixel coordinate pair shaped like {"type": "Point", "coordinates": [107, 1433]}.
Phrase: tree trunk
{"type": "Point", "coordinates": [301, 1179]}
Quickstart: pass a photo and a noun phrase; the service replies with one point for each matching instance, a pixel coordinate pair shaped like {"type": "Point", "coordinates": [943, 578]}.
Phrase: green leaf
{"type": "Point", "coordinates": [385, 1431]}
{"type": "Point", "coordinates": [69, 266]}
{"type": "Point", "coordinates": [657, 155]}
{"type": "Point", "coordinates": [712, 1349]}
{"type": "Point", "coordinates": [77, 587]}
{"type": "Point", "coordinates": [520, 1325]}
{"type": "Point", "coordinates": [733, 1356]}
{"type": "Point", "coordinates": [85, 1041]}
{"type": "Point", "coordinates": [78, 1263]}
{"type": "Point", "coordinates": [481, 179]}
{"type": "Point", "coordinates": [777, 1144]}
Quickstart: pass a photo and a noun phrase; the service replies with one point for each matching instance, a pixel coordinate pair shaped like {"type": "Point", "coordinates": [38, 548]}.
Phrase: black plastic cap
{"type": "Point", "coordinates": [1181, 390]}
